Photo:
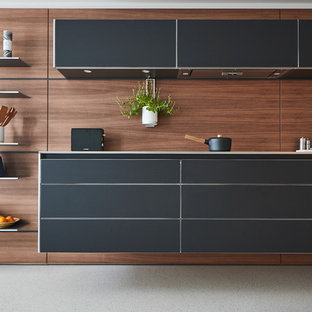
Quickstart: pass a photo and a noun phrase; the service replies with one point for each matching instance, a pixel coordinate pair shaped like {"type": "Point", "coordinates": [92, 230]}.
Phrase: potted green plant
{"type": "Point", "coordinates": [146, 99]}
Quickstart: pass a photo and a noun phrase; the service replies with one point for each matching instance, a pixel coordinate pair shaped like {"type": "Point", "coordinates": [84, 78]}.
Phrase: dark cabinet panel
{"type": "Point", "coordinates": [115, 43]}
{"type": "Point", "coordinates": [305, 43]}
{"type": "Point", "coordinates": [247, 201]}
{"type": "Point", "coordinates": [109, 236]}
{"type": "Point", "coordinates": [246, 236]}
{"type": "Point", "coordinates": [237, 43]}
{"type": "Point", "coordinates": [109, 171]}
{"type": "Point", "coordinates": [124, 201]}
{"type": "Point", "coordinates": [247, 171]}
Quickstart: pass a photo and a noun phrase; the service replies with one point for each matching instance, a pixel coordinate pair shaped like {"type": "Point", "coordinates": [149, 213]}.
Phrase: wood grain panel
{"type": "Point", "coordinates": [19, 197]}
{"type": "Point", "coordinates": [30, 36]}
{"type": "Point", "coordinates": [149, 14]}
{"type": "Point", "coordinates": [247, 111]}
{"type": "Point", "coordinates": [20, 248]}
{"type": "Point", "coordinates": [29, 126]}
{"type": "Point", "coordinates": [124, 258]}
{"type": "Point", "coordinates": [296, 259]}
{"type": "Point", "coordinates": [296, 14]}
{"type": "Point", "coordinates": [296, 113]}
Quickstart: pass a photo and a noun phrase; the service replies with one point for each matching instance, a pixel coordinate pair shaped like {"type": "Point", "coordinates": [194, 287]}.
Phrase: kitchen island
{"type": "Point", "coordinates": [175, 202]}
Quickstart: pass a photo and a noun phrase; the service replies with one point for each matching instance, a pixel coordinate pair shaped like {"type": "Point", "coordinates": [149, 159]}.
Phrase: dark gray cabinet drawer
{"type": "Point", "coordinates": [237, 43]}
{"type": "Point", "coordinates": [246, 236]}
{"type": "Point", "coordinates": [115, 43]}
{"type": "Point", "coordinates": [109, 171]}
{"type": "Point", "coordinates": [247, 171]}
{"type": "Point", "coordinates": [246, 201]}
{"type": "Point", "coordinates": [145, 201]}
{"type": "Point", "coordinates": [109, 236]}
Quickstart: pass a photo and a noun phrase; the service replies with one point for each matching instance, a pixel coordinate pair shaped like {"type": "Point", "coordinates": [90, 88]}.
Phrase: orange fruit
{"type": "Point", "coordinates": [10, 219]}
{"type": "Point", "coordinates": [3, 219]}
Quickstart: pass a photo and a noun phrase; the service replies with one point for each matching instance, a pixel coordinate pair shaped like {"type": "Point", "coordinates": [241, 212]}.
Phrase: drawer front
{"type": "Point", "coordinates": [246, 236]}
{"type": "Point", "coordinates": [109, 171]}
{"type": "Point", "coordinates": [246, 201]}
{"type": "Point", "coordinates": [109, 236]}
{"type": "Point", "coordinates": [145, 201]}
{"type": "Point", "coordinates": [247, 171]}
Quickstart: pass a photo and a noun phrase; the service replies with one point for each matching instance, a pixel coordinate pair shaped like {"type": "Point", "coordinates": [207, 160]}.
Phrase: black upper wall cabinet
{"type": "Point", "coordinates": [237, 43]}
{"type": "Point", "coordinates": [115, 43]}
{"type": "Point", "coordinates": [305, 43]}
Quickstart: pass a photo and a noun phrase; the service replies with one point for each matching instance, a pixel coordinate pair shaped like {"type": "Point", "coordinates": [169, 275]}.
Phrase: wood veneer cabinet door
{"type": "Point", "coordinates": [20, 248]}
{"type": "Point", "coordinates": [29, 126]}
{"type": "Point", "coordinates": [30, 37]}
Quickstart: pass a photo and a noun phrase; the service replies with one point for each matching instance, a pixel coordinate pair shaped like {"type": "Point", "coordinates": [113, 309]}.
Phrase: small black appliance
{"type": "Point", "coordinates": [87, 139]}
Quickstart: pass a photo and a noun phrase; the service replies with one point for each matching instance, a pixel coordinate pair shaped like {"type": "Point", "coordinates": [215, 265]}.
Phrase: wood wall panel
{"type": "Point", "coordinates": [158, 258]}
{"type": "Point", "coordinates": [296, 259]}
{"type": "Point", "coordinates": [29, 126]}
{"type": "Point", "coordinates": [296, 113]}
{"type": "Point", "coordinates": [20, 248]}
{"type": "Point", "coordinates": [247, 111]}
{"type": "Point", "coordinates": [19, 197]}
{"type": "Point", "coordinates": [30, 35]}
{"type": "Point", "coordinates": [296, 14]}
{"type": "Point", "coordinates": [149, 14]}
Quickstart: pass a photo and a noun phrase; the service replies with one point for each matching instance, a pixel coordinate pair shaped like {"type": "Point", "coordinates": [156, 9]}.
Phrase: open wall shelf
{"type": "Point", "coordinates": [12, 62]}
{"type": "Point", "coordinates": [12, 94]}
{"type": "Point", "coordinates": [9, 144]}
{"type": "Point", "coordinates": [9, 178]}
{"type": "Point", "coordinates": [19, 227]}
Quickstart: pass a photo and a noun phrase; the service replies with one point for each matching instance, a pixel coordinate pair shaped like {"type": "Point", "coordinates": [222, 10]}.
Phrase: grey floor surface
{"type": "Point", "coordinates": [73, 288]}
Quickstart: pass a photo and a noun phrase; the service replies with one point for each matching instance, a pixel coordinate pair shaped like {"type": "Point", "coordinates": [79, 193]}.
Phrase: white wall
{"type": "Point", "coordinates": [155, 288]}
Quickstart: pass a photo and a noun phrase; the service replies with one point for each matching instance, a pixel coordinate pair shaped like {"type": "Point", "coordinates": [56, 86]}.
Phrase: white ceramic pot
{"type": "Point", "coordinates": [149, 119]}
{"type": "Point", "coordinates": [1, 134]}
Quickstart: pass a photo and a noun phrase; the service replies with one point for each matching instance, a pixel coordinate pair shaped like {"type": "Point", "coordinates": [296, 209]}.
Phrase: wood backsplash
{"type": "Point", "coordinates": [247, 111]}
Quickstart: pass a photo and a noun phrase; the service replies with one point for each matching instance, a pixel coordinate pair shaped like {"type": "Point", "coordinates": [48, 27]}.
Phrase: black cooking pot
{"type": "Point", "coordinates": [217, 144]}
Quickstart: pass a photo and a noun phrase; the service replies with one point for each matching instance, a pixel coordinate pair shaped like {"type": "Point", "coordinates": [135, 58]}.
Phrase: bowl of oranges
{"type": "Point", "coordinates": [8, 221]}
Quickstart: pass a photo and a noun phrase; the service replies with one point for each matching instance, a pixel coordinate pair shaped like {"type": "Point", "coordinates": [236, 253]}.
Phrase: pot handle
{"type": "Point", "coordinates": [192, 138]}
